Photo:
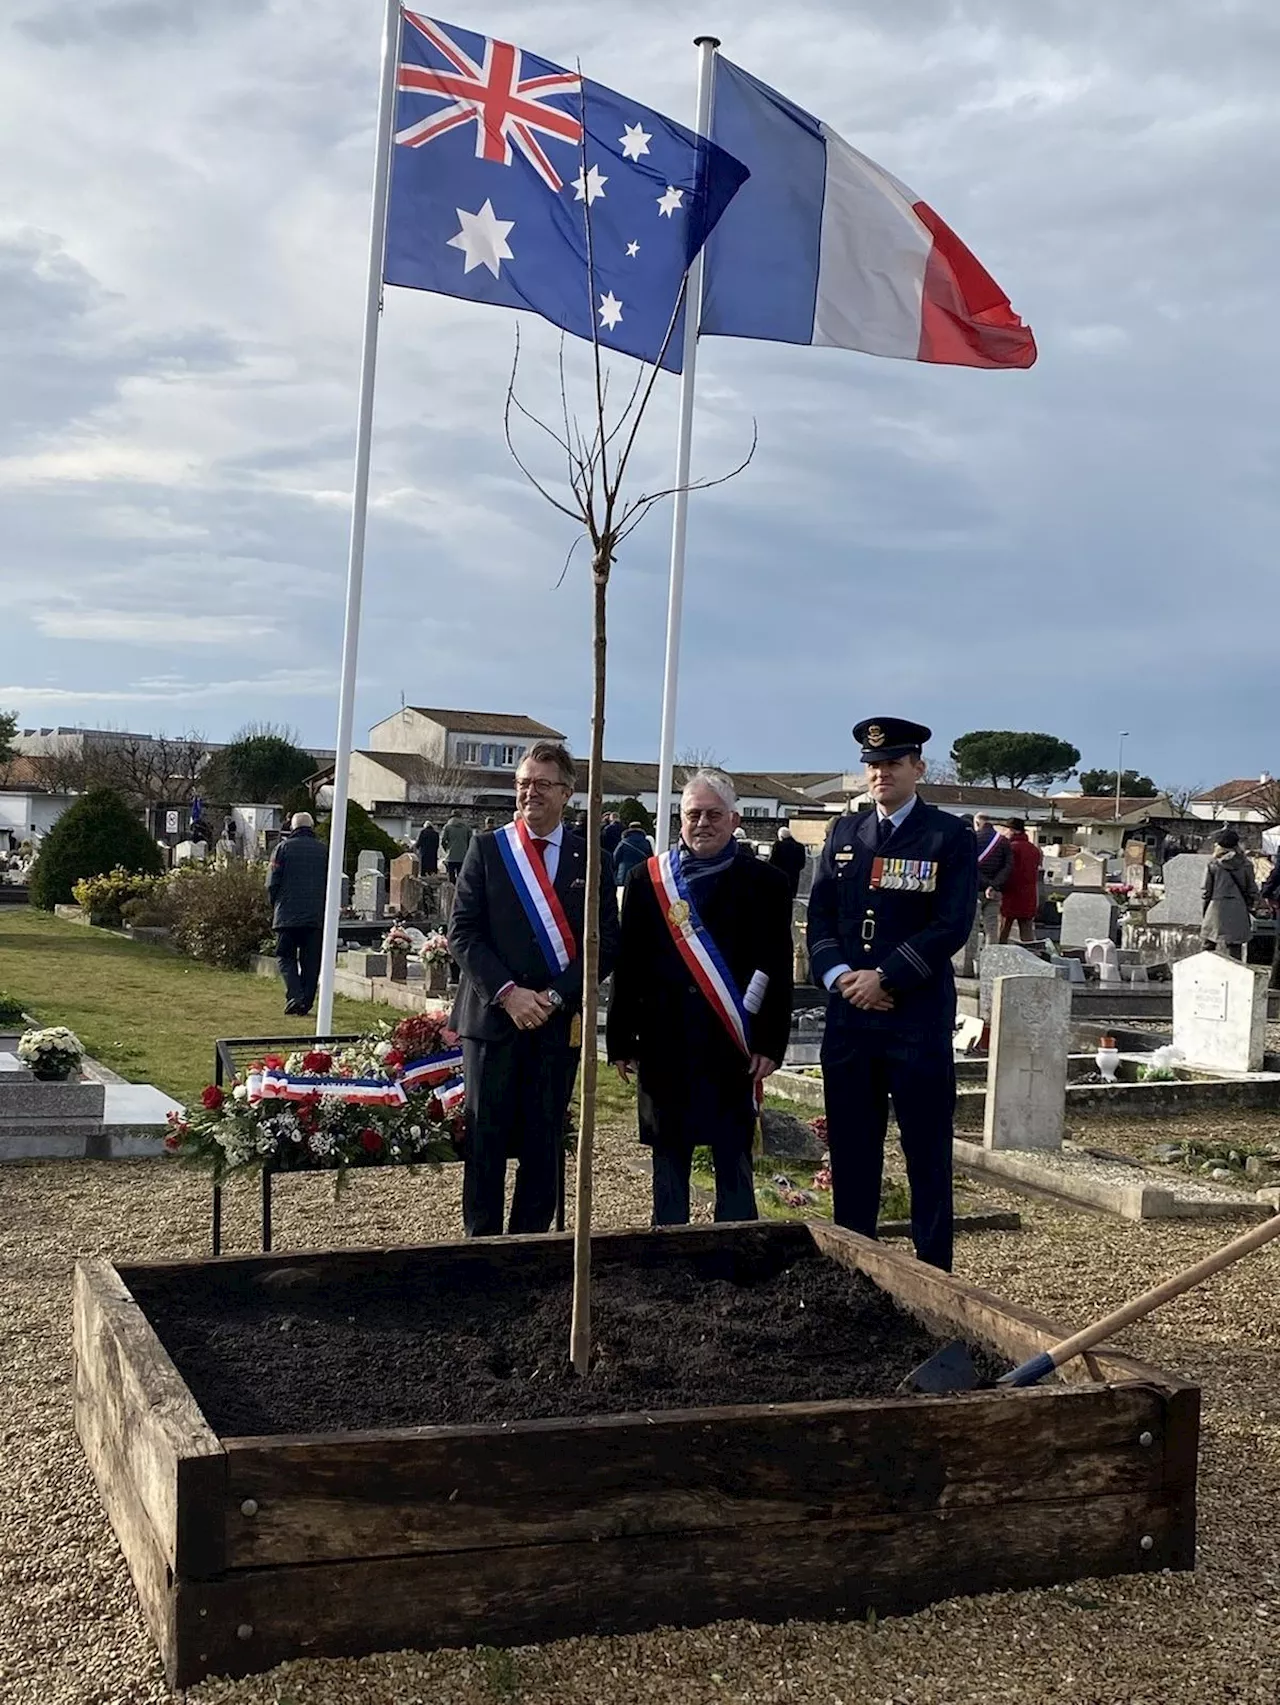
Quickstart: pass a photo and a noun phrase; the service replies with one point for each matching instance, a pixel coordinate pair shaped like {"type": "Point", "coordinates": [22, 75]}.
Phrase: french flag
{"type": "Point", "coordinates": [822, 246]}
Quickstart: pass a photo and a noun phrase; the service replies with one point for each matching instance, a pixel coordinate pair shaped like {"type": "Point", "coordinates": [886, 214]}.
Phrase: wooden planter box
{"type": "Point", "coordinates": [246, 1552]}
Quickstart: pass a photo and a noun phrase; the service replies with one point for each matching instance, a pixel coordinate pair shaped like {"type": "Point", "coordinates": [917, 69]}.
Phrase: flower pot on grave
{"type": "Point", "coordinates": [398, 966]}
{"type": "Point", "coordinates": [54, 1071]}
{"type": "Point", "coordinates": [437, 977]}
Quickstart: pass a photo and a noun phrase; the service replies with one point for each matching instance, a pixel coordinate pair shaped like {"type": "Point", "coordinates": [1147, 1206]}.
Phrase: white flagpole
{"type": "Point", "coordinates": [359, 512]}
{"type": "Point", "coordinates": [706, 46]}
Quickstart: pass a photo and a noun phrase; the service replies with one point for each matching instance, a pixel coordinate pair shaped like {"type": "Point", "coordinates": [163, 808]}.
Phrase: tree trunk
{"type": "Point", "coordinates": [580, 1330]}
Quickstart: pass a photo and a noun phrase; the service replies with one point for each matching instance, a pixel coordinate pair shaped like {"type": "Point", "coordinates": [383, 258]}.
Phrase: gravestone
{"type": "Point", "coordinates": [189, 852]}
{"type": "Point", "coordinates": [404, 870]}
{"type": "Point", "coordinates": [344, 893]}
{"type": "Point", "coordinates": [1086, 917]}
{"type": "Point", "coordinates": [367, 964]}
{"type": "Point", "coordinates": [371, 860]}
{"type": "Point", "coordinates": [371, 891]}
{"type": "Point", "coordinates": [1055, 872]}
{"type": "Point", "coordinates": [1220, 1012]}
{"type": "Point", "coordinates": [1135, 877]}
{"type": "Point", "coordinates": [1027, 1063]}
{"type": "Point", "coordinates": [1103, 954]}
{"type": "Point", "coordinates": [1183, 885]}
{"type": "Point", "coordinates": [1007, 961]}
{"type": "Point", "coordinates": [1088, 871]}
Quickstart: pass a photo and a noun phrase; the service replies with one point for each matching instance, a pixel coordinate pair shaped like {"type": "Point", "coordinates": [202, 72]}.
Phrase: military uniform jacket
{"type": "Point", "coordinates": [902, 909]}
{"type": "Point", "coordinates": [492, 940]}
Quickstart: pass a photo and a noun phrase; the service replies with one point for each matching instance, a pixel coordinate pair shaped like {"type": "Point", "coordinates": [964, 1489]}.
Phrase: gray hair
{"type": "Point", "coordinates": [717, 781]}
{"type": "Point", "coordinates": [302, 820]}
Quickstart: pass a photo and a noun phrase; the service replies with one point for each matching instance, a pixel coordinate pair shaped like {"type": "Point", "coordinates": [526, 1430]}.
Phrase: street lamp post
{"type": "Point", "coordinates": [1120, 770]}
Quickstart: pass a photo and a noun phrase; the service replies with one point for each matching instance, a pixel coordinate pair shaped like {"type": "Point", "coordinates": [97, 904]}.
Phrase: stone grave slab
{"type": "Point", "coordinates": [371, 892]}
{"type": "Point", "coordinates": [1027, 1063]}
{"type": "Point", "coordinates": [1183, 887]}
{"type": "Point", "coordinates": [29, 1100]}
{"type": "Point", "coordinates": [1220, 1012]}
{"type": "Point", "coordinates": [1085, 918]}
{"type": "Point", "coordinates": [367, 964]}
{"type": "Point", "coordinates": [1006, 961]}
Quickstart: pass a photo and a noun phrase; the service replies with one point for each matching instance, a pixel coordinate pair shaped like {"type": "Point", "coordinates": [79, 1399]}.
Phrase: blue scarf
{"type": "Point", "coordinates": [701, 872]}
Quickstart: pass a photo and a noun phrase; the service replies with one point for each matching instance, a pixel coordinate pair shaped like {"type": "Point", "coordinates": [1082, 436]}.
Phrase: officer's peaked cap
{"type": "Point", "coordinates": [884, 737]}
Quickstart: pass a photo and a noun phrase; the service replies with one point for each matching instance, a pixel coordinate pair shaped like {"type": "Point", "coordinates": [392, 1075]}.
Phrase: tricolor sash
{"type": "Point", "coordinates": [361, 1091]}
{"type": "Point", "coordinates": [540, 901]}
{"type": "Point", "coordinates": [434, 1069]}
{"type": "Point", "coordinates": [695, 946]}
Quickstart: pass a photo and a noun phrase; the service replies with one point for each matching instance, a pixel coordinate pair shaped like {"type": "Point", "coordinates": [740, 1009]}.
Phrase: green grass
{"type": "Point", "coordinates": [146, 1012]}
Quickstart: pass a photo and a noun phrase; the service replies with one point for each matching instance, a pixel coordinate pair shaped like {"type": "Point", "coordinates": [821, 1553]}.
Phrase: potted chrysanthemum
{"type": "Point", "coordinates": [53, 1055]}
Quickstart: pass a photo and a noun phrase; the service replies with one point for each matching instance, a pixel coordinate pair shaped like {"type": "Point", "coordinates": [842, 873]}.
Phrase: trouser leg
{"type": "Point", "coordinates": [855, 1094]}
{"type": "Point", "coordinates": [989, 918]}
{"type": "Point", "coordinates": [671, 1166]}
{"type": "Point", "coordinates": [545, 1080]}
{"type": "Point", "coordinates": [922, 1080]}
{"type": "Point", "coordinates": [309, 964]}
{"type": "Point", "coordinates": [489, 1076]}
{"type": "Point", "coordinates": [287, 960]}
{"type": "Point", "coordinates": [735, 1183]}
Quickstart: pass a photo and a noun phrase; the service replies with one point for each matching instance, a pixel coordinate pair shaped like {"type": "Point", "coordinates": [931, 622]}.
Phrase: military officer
{"type": "Point", "coordinates": [893, 899]}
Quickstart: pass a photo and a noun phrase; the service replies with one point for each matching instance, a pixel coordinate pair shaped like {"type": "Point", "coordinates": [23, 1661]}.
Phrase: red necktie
{"type": "Point", "coordinates": [541, 848]}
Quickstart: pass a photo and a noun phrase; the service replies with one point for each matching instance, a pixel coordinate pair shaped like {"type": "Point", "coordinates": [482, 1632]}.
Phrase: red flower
{"type": "Point", "coordinates": [317, 1062]}
{"type": "Point", "coordinates": [370, 1141]}
{"type": "Point", "coordinates": [273, 1062]}
{"type": "Point", "coordinates": [212, 1097]}
{"type": "Point", "coordinates": [308, 1112]}
{"type": "Point", "coordinates": [172, 1142]}
{"type": "Point", "coordinates": [394, 1060]}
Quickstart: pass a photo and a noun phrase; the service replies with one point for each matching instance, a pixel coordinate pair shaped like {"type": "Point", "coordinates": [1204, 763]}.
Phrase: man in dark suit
{"type": "Point", "coordinates": [427, 847]}
{"type": "Point", "coordinates": [893, 899]}
{"type": "Point", "coordinates": [516, 934]}
{"type": "Point", "coordinates": [700, 1055]}
{"type": "Point", "coordinates": [788, 854]}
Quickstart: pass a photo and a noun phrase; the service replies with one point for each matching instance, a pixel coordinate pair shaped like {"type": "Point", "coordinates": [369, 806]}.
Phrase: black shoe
{"type": "Point", "coordinates": [303, 1011]}
{"type": "Point", "coordinates": [292, 1008]}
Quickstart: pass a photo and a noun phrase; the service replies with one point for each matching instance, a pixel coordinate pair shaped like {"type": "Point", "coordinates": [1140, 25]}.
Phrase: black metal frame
{"type": "Point", "coordinates": [224, 1068]}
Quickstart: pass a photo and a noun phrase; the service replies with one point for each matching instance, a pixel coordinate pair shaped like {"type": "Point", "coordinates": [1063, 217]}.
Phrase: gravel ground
{"type": "Point", "coordinates": [72, 1635]}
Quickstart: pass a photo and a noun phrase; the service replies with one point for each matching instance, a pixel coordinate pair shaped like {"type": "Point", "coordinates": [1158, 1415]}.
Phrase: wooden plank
{"type": "Point", "coordinates": [152, 1578]}
{"type": "Point", "coordinates": [450, 1489]}
{"type": "Point", "coordinates": [1181, 1459]}
{"type": "Point", "coordinates": [252, 1619]}
{"type": "Point", "coordinates": [952, 1304]}
{"type": "Point", "coordinates": [763, 1239]}
{"type": "Point", "coordinates": [175, 1461]}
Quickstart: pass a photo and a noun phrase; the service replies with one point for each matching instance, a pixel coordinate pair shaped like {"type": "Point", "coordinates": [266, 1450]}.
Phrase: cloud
{"type": "Point", "coordinates": [181, 281]}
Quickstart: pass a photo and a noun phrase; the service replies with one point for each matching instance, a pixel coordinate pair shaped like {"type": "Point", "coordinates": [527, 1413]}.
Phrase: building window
{"type": "Point", "coordinates": [511, 756]}
{"type": "Point", "coordinates": [469, 751]}
{"type": "Point", "coordinates": [756, 811]}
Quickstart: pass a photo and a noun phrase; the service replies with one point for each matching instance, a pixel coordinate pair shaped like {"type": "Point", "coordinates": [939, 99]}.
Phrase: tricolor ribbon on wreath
{"type": "Point", "coordinates": [696, 947]}
{"type": "Point", "coordinates": [360, 1091]}
{"type": "Point", "coordinates": [541, 903]}
{"type": "Point", "coordinates": [432, 1071]}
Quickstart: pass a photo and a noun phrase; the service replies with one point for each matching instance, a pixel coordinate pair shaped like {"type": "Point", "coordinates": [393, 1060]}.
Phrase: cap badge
{"type": "Point", "coordinates": [875, 735]}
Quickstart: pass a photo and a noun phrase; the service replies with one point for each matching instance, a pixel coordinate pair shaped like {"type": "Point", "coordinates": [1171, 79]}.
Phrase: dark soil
{"type": "Point", "coordinates": [316, 1354]}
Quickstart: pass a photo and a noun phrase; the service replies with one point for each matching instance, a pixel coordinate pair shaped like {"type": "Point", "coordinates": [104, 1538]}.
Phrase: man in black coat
{"type": "Point", "coordinates": [427, 847]}
{"type": "Point", "coordinates": [788, 854]}
{"type": "Point", "coordinates": [697, 1072]}
{"type": "Point", "coordinates": [296, 885]}
{"type": "Point", "coordinates": [516, 935]}
{"type": "Point", "coordinates": [893, 899]}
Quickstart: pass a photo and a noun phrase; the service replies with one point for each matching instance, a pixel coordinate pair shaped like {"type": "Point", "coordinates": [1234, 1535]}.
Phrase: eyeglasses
{"type": "Point", "coordinates": [694, 815]}
{"type": "Point", "coordinates": [539, 787]}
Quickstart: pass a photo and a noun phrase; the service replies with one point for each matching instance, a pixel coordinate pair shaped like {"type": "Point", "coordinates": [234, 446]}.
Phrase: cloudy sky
{"type": "Point", "coordinates": [1084, 548]}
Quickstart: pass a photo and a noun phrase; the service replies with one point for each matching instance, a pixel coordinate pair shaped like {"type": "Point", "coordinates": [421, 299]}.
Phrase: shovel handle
{"type": "Point", "coordinates": [1038, 1366]}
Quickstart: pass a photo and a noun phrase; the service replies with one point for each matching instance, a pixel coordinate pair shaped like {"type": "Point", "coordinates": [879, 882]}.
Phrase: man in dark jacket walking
{"type": "Point", "coordinates": [427, 847]}
{"type": "Point", "coordinates": [789, 856]}
{"type": "Point", "coordinates": [296, 887]}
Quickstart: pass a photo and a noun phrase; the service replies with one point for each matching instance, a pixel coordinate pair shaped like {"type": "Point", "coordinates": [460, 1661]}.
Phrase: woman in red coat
{"type": "Point", "coordinates": [1020, 896]}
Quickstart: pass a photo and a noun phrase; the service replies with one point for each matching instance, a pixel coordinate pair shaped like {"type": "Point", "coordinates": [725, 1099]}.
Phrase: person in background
{"type": "Point", "coordinates": [1269, 898]}
{"type": "Point", "coordinates": [995, 862]}
{"type": "Point", "coordinates": [892, 900]}
{"type": "Point", "coordinates": [455, 838]}
{"type": "Point", "coordinates": [633, 849]}
{"type": "Point", "coordinates": [1020, 896]}
{"type": "Point", "coordinates": [516, 934]}
{"type": "Point", "coordinates": [611, 833]}
{"type": "Point", "coordinates": [427, 847]}
{"type": "Point", "coordinates": [296, 889]}
{"type": "Point", "coordinates": [1230, 894]}
{"type": "Point", "coordinates": [700, 1051]}
{"type": "Point", "coordinates": [789, 856]}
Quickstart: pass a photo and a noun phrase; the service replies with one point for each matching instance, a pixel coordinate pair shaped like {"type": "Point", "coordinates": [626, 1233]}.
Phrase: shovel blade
{"type": "Point", "coordinates": [948, 1369]}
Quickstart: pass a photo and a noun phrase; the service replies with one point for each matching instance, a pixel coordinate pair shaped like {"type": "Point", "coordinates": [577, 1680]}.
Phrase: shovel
{"type": "Point", "coordinates": [952, 1368]}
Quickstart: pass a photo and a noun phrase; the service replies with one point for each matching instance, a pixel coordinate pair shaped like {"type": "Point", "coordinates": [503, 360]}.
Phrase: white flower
{"type": "Point", "coordinates": [382, 1050]}
{"type": "Point", "coordinates": [415, 1131]}
{"type": "Point", "coordinates": [240, 1092]}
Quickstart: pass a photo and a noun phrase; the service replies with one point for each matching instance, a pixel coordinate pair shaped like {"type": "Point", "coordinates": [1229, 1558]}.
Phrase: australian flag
{"type": "Point", "coordinates": [499, 161]}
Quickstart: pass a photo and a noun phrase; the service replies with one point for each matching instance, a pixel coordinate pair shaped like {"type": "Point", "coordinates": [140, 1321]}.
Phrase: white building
{"type": "Point", "coordinates": [1243, 801]}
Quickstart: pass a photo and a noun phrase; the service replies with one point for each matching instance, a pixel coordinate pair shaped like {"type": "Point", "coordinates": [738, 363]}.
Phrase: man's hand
{"type": "Point", "coordinates": [525, 1009]}
{"type": "Point", "coordinates": [761, 1067]}
{"type": "Point", "coordinates": [864, 990]}
{"type": "Point", "coordinates": [624, 1069]}
{"type": "Point", "coordinates": [992, 894]}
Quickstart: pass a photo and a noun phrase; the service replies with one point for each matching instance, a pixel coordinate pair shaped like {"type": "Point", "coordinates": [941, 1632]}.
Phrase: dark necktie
{"type": "Point", "coordinates": [884, 828]}
{"type": "Point", "coordinates": [541, 848]}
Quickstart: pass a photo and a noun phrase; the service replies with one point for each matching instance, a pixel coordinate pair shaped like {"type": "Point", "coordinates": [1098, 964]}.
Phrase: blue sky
{"type": "Point", "coordinates": [1082, 548]}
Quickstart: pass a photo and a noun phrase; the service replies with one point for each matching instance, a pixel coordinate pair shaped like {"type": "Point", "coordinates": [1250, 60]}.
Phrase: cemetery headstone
{"type": "Point", "coordinates": [371, 860]}
{"type": "Point", "coordinates": [1086, 917]}
{"type": "Point", "coordinates": [1135, 877]}
{"type": "Point", "coordinates": [1183, 884]}
{"type": "Point", "coordinates": [1027, 1063]}
{"type": "Point", "coordinates": [344, 892]}
{"type": "Point", "coordinates": [1220, 1012]}
{"type": "Point", "coordinates": [1055, 872]}
{"type": "Point", "coordinates": [1103, 954]}
{"type": "Point", "coordinates": [367, 964]}
{"type": "Point", "coordinates": [189, 852]}
{"type": "Point", "coordinates": [404, 870]}
{"type": "Point", "coordinates": [1088, 871]}
{"type": "Point", "coordinates": [371, 892]}
{"type": "Point", "coordinates": [1007, 961]}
